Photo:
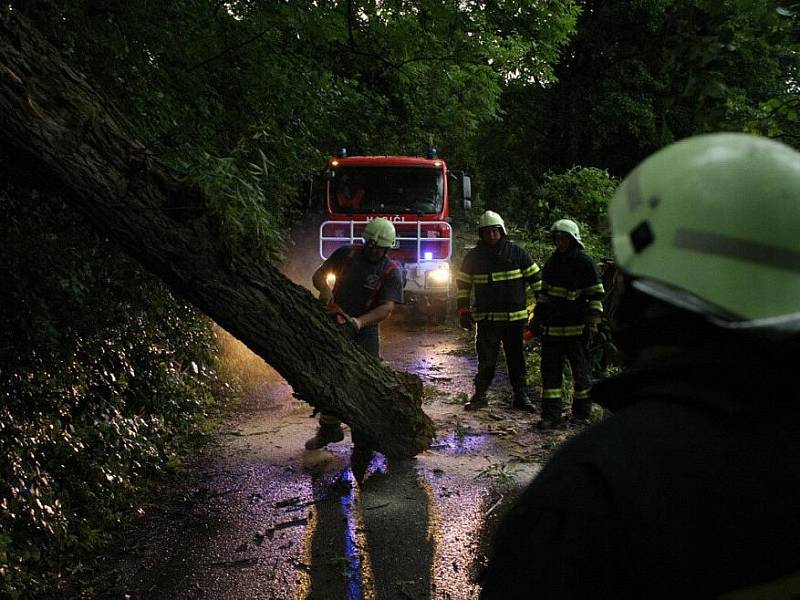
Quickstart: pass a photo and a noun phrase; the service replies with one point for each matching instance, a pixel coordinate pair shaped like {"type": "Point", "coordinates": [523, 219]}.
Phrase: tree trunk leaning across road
{"type": "Point", "coordinates": [52, 120]}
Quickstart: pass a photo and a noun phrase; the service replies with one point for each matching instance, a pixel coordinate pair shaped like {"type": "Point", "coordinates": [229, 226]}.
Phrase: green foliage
{"type": "Point", "coordinates": [103, 377]}
{"type": "Point", "coordinates": [580, 194]}
{"type": "Point", "coordinates": [249, 220]}
{"type": "Point", "coordinates": [640, 74]}
{"type": "Point", "coordinates": [778, 117]}
{"type": "Point", "coordinates": [502, 475]}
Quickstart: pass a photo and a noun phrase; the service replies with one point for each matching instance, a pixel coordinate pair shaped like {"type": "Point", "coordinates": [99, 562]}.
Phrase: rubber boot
{"type": "Point", "coordinates": [326, 434]}
{"type": "Point", "coordinates": [522, 401]}
{"type": "Point", "coordinates": [477, 401]}
{"type": "Point", "coordinates": [581, 411]}
{"type": "Point", "coordinates": [551, 414]}
{"type": "Point", "coordinates": [359, 462]}
{"type": "Point", "coordinates": [360, 457]}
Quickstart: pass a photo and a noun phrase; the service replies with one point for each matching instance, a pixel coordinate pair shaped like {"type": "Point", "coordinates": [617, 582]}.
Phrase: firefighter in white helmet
{"type": "Point", "coordinates": [498, 272]}
{"type": "Point", "coordinates": [568, 310]}
{"type": "Point", "coordinates": [691, 488]}
{"type": "Point", "coordinates": [367, 286]}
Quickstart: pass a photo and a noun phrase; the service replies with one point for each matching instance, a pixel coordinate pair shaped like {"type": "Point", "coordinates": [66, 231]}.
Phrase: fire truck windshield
{"type": "Point", "coordinates": [383, 189]}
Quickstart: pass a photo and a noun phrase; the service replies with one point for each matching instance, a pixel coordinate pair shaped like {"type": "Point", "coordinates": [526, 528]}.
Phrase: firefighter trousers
{"type": "Point", "coordinates": [487, 345]}
{"type": "Point", "coordinates": [554, 351]}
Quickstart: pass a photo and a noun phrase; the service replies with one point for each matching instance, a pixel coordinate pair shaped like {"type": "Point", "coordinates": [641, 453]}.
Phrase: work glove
{"type": "Point", "coordinates": [529, 333]}
{"type": "Point", "coordinates": [465, 320]}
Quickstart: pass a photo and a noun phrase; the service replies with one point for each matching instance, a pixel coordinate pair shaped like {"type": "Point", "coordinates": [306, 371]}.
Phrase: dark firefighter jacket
{"type": "Point", "coordinates": [571, 290]}
{"type": "Point", "coordinates": [690, 490]}
{"type": "Point", "coordinates": [499, 276]}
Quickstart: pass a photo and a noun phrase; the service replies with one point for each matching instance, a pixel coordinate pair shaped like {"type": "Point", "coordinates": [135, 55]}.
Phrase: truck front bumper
{"type": "Point", "coordinates": [429, 278]}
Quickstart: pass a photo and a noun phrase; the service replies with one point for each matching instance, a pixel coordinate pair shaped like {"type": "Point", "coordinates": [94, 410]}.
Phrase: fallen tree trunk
{"type": "Point", "coordinates": [52, 120]}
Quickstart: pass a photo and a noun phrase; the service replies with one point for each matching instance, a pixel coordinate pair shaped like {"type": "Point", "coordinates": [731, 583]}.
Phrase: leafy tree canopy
{"type": "Point", "coordinates": [641, 74]}
{"type": "Point", "coordinates": [278, 85]}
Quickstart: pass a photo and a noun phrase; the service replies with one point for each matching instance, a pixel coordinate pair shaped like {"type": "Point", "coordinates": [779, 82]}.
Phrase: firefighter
{"type": "Point", "coordinates": [368, 285]}
{"type": "Point", "coordinates": [498, 271]}
{"type": "Point", "coordinates": [691, 489]}
{"type": "Point", "coordinates": [347, 195]}
{"type": "Point", "coordinates": [568, 310]}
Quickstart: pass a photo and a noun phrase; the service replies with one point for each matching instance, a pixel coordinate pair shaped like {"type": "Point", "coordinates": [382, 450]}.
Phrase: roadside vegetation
{"type": "Point", "coordinates": [107, 379]}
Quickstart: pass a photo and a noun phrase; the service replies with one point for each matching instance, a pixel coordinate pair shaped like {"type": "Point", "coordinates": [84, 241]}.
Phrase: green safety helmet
{"type": "Point", "coordinates": [568, 227]}
{"type": "Point", "coordinates": [491, 219]}
{"type": "Point", "coordinates": [381, 232]}
{"type": "Point", "coordinates": [710, 224]}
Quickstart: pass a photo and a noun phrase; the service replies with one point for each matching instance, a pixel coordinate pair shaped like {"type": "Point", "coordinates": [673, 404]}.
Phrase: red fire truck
{"type": "Point", "coordinates": [412, 192]}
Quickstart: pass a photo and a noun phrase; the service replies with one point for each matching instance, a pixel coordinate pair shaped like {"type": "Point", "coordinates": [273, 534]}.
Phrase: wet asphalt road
{"type": "Point", "coordinates": [257, 516]}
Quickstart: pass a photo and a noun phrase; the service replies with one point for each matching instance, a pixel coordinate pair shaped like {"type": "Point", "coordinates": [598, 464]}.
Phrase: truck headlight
{"type": "Point", "coordinates": [438, 278]}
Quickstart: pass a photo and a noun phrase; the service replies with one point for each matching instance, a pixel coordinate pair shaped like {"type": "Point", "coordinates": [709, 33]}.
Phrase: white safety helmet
{"type": "Point", "coordinates": [568, 227]}
{"type": "Point", "coordinates": [491, 219]}
{"type": "Point", "coordinates": [380, 231]}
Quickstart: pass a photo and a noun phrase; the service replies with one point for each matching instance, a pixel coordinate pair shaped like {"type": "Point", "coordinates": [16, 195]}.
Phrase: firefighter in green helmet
{"type": "Point", "coordinates": [497, 273]}
{"type": "Point", "coordinates": [691, 488]}
{"type": "Point", "coordinates": [361, 285]}
{"type": "Point", "coordinates": [568, 310]}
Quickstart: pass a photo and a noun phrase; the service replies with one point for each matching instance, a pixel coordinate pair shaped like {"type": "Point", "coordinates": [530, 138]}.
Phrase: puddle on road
{"type": "Point", "coordinates": [460, 444]}
{"type": "Point", "coordinates": [428, 369]}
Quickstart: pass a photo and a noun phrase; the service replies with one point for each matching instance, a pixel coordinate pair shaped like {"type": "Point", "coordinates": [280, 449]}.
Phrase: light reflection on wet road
{"type": "Point", "coordinates": [259, 517]}
{"type": "Point", "coordinates": [456, 444]}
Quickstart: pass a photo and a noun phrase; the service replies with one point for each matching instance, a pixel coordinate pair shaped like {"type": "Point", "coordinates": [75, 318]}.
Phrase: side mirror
{"type": "Point", "coordinates": [466, 191]}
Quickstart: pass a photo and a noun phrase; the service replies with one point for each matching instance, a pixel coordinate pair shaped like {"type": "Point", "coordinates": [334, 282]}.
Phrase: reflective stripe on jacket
{"type": "Point", "coordinates": [570, 292]}
{"type": "Point", "coordinates": [498, 277]}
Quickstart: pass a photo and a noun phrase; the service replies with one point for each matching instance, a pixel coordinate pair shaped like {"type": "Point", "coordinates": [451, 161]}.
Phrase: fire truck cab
{"type": "Point", "coordinates": [413, 193]}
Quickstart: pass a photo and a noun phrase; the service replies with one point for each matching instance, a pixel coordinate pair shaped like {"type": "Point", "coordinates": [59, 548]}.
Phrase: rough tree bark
{"type": "Point", "coordinates": [52, 119]}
